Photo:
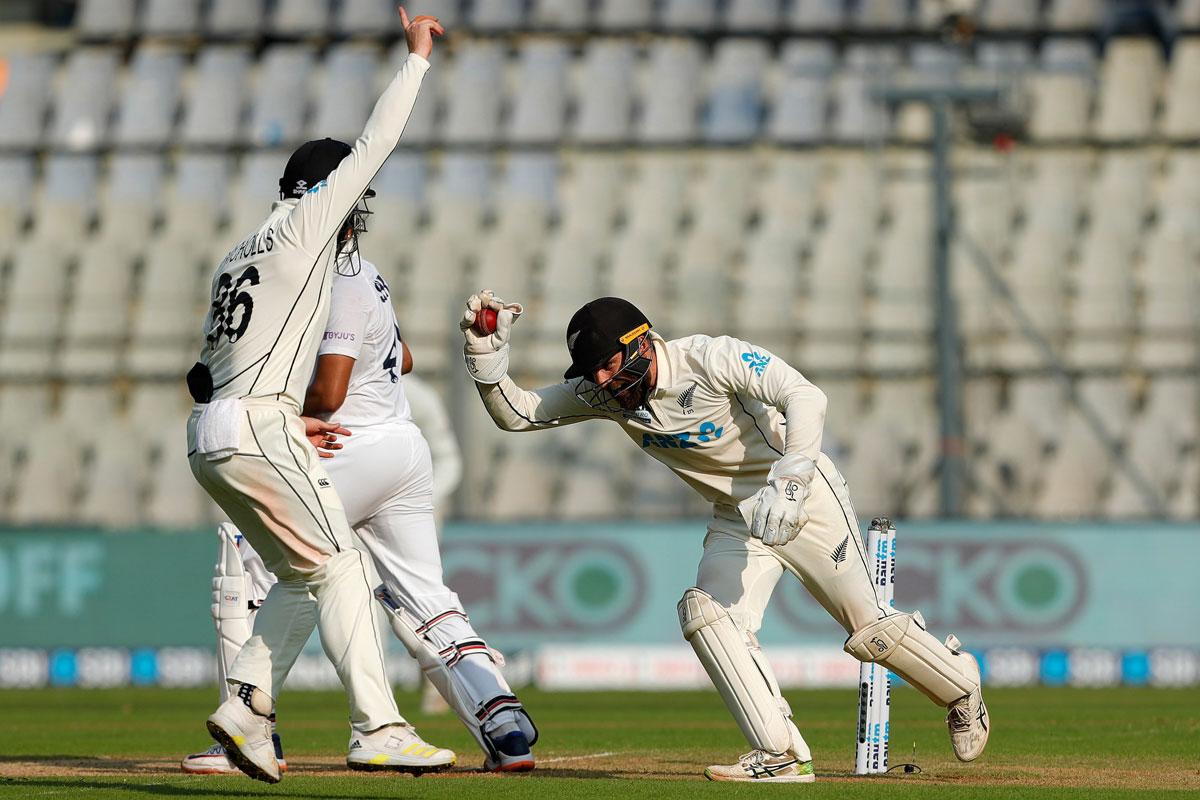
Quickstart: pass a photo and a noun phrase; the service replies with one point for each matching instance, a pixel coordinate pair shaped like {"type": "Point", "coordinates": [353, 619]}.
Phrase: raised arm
{"type": "Point", "coordinates": [511, 407]}
{"type": "Point", "coordinates": [320, 212]}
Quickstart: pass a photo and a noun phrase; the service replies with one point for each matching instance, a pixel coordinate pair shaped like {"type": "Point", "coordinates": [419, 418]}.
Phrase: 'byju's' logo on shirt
{"type": "Point", "coordinates": [756, 361]}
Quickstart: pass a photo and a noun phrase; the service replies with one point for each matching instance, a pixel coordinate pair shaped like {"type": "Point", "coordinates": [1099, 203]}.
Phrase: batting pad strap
{"type": "Point", "coordinates": [459, 650]}
{"type": "Point", "coordinates": [490, 708]}
{"type": "Point", "coordinates": [901, 643]}
{"type": "Point", "coordinates": [437, 619]}
{"type": "Point", "coordinates": [725, 653]}
{"type": "Point", "coordinates": [487, 368]}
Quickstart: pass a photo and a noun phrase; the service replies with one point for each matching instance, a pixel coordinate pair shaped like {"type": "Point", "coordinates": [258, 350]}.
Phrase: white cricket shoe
{"type": "Point", "coordinates": [397, 748]}
{"type": "Point", "coordinates": [967, 718]}
{"type": "Point", "coordinates": [761, 766]}
{"type": "Point", "coordinates": [213, 761]}
{"type": "Point", "coordinates": [246, 737]}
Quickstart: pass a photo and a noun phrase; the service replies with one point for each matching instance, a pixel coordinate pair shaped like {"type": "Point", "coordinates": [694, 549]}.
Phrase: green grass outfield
{"type": "Point", "coordinates": [1047, 743]}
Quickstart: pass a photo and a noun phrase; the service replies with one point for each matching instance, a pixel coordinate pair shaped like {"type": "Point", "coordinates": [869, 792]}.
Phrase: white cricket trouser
{"type": "Point", "coordinates": [384, 476]}
{"type": "Point", "coordinates": [740, 572]}
{"type": "Point", "coordinates": [275, 490]}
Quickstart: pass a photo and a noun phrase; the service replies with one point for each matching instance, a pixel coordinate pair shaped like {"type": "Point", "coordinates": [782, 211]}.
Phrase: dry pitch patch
{"type": "Point", "coordinates": [1047, 743]}
{"type": "Point", "coordinates": [666, 767]}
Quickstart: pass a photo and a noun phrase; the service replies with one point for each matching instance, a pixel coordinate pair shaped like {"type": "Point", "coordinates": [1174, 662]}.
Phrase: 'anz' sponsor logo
{"type": "Point", "coordinates": [708, 432]}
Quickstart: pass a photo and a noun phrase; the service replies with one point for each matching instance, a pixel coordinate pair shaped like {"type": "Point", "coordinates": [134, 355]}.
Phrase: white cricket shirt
{"type": "Point", "coordinates": [362, 324]}
{"type": "Point", "coordinates": [722, 412]}
{"type": "Point", "coordinates": [270, 295]}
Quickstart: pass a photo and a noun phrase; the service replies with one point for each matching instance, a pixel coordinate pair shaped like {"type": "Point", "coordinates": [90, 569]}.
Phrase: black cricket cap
{"type": "Point", "coordinates": [310, 164]}
{"type": "Point", "coordinates": [599, 330]}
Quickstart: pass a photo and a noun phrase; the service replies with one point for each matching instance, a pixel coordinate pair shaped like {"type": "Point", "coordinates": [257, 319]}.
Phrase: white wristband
{"type": "Point", "coordinates": [487, 368]}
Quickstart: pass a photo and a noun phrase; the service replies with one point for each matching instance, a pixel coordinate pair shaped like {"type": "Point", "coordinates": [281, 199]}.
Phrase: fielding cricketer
{"type": "Point", "coordinates": [384, 475]}
{"type": "Point", "coordinates": [742, 428]}
{"type": "Point", "coordinates": [248, 445]}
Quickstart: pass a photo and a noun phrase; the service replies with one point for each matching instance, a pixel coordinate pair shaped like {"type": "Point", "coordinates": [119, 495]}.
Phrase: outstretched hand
{"type": "Point", "coordinates": [506, 315]}
{"type": "Point", "coordinates": [324, 435]}
{"type": "Point", "coordinates": [420, 32]}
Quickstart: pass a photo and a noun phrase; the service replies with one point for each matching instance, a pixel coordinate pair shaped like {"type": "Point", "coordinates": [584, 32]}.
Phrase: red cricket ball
{"type": "Point", "coordinates": [485, 322]}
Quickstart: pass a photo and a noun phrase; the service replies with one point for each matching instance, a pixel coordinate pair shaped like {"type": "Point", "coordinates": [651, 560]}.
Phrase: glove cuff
{"type": "Point", "coordinates": [796, 466]}
{"type": "Point", "coordinates": [487, 368]}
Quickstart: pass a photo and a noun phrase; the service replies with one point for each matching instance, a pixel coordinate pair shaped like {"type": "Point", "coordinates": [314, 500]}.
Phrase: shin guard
{"type": "Point", "coordinates": [901, 643]}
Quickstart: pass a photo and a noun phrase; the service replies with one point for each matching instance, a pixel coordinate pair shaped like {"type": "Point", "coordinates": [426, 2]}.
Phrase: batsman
{"type": "Point", "coordinates": [742, 428]}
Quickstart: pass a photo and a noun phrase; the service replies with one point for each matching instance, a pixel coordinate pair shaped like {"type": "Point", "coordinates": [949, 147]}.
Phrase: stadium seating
{"type": "Point", "coordinates": [726, 164]}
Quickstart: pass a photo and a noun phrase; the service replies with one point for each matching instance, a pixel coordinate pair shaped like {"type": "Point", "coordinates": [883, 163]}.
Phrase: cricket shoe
{"type": "Point", "coordinates": [246, 735]}
{"type": "Point", "coordinates": [510, 750]}
{"type": "Point", "coordinates": [968, 718]}
{"type": "Point", "coordinates": [213, 761]}
{"type": "Point", "coordinates": [761, 766]}
{"type": "Point", "coordinates": [397, 748]}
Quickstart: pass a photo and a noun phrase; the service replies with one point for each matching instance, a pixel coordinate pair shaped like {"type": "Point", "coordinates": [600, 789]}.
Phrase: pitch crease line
{"type": "Point", "coordinates": [576, 758]}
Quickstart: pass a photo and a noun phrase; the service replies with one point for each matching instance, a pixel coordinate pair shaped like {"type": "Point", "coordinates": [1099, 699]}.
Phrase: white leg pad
{"type": "Point", "coordinates": [901, 643]}
{"type": "Point", "coordinates": [462, 668]}
{"type": "Point", "coordinates": [230, 604]}
{"type": "Point", "coordinates": [741, 674]}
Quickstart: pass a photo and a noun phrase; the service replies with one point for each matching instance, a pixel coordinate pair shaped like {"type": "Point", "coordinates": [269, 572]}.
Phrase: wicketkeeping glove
{"type": "Point", "coordinates": [487, 356]}
{"type": "Point", "coordinates": [775, 513]}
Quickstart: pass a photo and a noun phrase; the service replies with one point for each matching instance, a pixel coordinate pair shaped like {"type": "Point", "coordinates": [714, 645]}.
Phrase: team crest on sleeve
{"type": "Point", "coordinates": [756, 361]}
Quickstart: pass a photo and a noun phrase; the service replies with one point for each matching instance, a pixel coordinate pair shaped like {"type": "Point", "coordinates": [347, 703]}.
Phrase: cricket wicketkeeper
{"type": "Point", "coordinates": [742, 428]}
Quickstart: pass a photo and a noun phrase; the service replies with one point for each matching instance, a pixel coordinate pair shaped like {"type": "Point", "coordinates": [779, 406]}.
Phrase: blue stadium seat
{"type": "Point", "coordinates": [83, 103]}
{"type": "Point", "coordinates": [280, 98]}
{"type": "Point", "coordinates": [752, 15]}
{"type": "Point", "coordinates": [214, 100]}
{"type": "Point", "coordinates": [300, 17]}
{"type": "Point", "coordinates": [538, 107]}
{"type": "Point", "coordinates": [236, 18]}
{"type": "Point", "coordinates": [604, 96]}
{"type": "Point", "coordinates": [735, 105]}
{"type": "Point", "coordinates": [346, 92]}
{"type": "Point", "coordinates": [105, 18]}
{"type": "Point", "coordinates": [669, 93]}
{"type": "Point", "coordinates": [170, 17]}
{"type": "Point", "coordinates": [559, 14]}
{"type": "Point", "coordinates": [474, 89]}
{"type": "Point", "coordinates": [150, 98]}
